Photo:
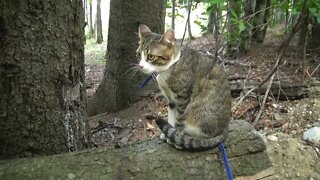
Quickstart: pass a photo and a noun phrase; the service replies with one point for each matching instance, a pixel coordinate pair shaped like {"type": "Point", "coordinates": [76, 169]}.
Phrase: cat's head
{"type": "Point", "coordinates": [156, 52]}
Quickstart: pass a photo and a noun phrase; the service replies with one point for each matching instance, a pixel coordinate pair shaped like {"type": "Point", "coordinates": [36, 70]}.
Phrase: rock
{"type": "Point", "coordinates": [277, 117]}
{"type": "Point", "coordinates": [315, 176]}
{"type": "Point", "coordinates": [312, 135]}
{"type": "Point", "coordinates": [317, 123]}
{"type": "Point", "coordinates": [272, 138]}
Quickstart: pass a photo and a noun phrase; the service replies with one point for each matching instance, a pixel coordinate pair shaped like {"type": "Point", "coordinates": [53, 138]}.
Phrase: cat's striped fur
{"type": "Point", "coordinates": [197, 91]}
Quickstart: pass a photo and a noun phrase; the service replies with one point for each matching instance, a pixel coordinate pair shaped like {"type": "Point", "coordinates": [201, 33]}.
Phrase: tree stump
{"type": "Point", "coordinates": [152, 159]}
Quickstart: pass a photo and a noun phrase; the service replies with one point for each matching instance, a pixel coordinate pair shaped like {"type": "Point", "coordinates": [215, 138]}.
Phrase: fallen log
{"type": "Point", "coordinates": [281, 90]}
{"type": "Point", "coordinates": [147, 160]}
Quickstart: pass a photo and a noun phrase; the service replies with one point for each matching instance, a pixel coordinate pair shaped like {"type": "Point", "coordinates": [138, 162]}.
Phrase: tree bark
{"type": "Point", "coordinates": [173, 12]}
{"type": "Point", "coordinates": [211, 20]}
{"type": "Point", "coordinates": [117, 89]}
{"type": "Point", "coordinates": [148, 160]}
{"type": "Point", "coordinates": [190, 2]}
{"type": "Point", "coordinates": [91, 30]}
{"type": "Point", "coordinates": [233, 28]}
{"type": "Point", "coordinates": [246, 35]}
{"type": "Point", "coordinates": [42, 93]}
{"type": "Point", "coordinates": [85, 6]}
{"type": "Point", "coordinates": [214, 19]}
{"type": "Point", "coordinates": [314, 40]}
{"type": "Point", "coordinates": [259, 23]}
{"type": "Point", "coordinates": [99, 24]}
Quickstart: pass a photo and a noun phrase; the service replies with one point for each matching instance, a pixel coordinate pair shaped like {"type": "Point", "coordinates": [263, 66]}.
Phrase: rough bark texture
{"type": "Point", "coordinates": [314, 40]}
{"type": "Point", "coordinates": [117, 89]}
{"type": "Point", "coordinates": [42, 97]}
{"type": "Point", "coordinates": [173, 13]}
{"type": "Point", "coordinates": [246, 35]}
{"type": "Point", "coordinates": [259, 22]}
{"type": "Point", "coordinates": [91, 30]}
{"type": "Point", "coordinates": [233, 28]}
{"type": "Point", "coordinates": [99, 23]}
{"type": "Point", "coordinates": [148, 160]}
{"type": "Point", "coordinates": [211, 19]}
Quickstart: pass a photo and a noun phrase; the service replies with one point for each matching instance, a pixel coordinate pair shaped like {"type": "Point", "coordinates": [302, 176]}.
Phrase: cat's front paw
{"type": "Point", "coordinates": [178, 147]}
{"type": "Point", "coordinates": [163, 137]}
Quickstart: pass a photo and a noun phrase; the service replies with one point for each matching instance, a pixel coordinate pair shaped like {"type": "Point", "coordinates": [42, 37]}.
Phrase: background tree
{"type": "Point", "coordinates": [91, 29]}
{"type": "Point", "coordinates": [99, 23]}
{"type": "Point", "coordinates": [214, 17]}
{"type": "Point", "coordinates": [246, 34]}
{"type": "Point", "coordinates": [42, 95]}
{"type": "Point", "coordinates": [189, 9]}
{"type": "Point", "coordinates": [173, 9]}
{"type": "Point", "coordinates": [260, 21]}
{"type": "Point", "coordinates": [117, 90]}
{"type": "Point", "coordinates": [233, 27]}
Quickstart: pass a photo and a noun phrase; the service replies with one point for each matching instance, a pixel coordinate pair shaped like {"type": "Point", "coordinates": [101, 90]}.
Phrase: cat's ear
{"type": "Point", "coordinates": [168, 38]}
{"type": "Point", "coordinates": [143, 30]}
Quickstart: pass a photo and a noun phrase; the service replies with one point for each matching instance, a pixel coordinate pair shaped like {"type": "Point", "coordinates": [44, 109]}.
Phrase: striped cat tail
{"type": "Point", "coordinates": [186, 142]}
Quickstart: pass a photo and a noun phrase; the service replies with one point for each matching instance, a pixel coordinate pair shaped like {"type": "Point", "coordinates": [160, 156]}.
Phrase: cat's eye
{"type": "Point", "coordinates": [164, 58]}
{"type": "Point", "coordinates": [151, 57]}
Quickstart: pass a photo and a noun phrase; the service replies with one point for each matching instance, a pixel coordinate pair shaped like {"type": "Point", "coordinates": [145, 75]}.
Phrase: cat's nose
{"type": "Point", "coordinates": [140, 66]}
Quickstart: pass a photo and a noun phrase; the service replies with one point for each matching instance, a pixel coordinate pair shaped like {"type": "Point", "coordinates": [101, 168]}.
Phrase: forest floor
{"type": "Point", "coordinates": [281, 124]}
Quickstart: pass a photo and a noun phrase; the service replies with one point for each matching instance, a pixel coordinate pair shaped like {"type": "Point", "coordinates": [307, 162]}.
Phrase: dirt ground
{"type": "Point", "coordinates": [281, 124]}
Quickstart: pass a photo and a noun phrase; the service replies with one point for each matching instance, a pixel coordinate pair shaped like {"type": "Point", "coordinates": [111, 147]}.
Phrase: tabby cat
{"type": "Point", "coordinates": [197, 91]}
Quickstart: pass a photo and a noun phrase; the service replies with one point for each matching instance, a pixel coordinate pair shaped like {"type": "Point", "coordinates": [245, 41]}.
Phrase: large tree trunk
{"type": "Point", "coordinates": [91, 30]}
{"type": "Point", "coordinates": [117, 89]}
{"type": "Point", "coordinates": [246, 35]}
{"type": "Point", "coordinates": [233, 28]}
{"type": "Point", "coordinates": [99, 23]}
{"type": "Point", "coordinates": [173, 13]}
{"type": "Point", "coordinates": [214, 19]}
{"type": "Point", "coordinates": [211, 20]}
{"type": "Point", "coordinates": [189, 19]}
{"type": "Point", "coordinates": [314, 40]}
{"type": "Point", "coordinates": [260, 21]}
{"type": "Point", "coordinates": [85, 6]}
{"type": "Point", "coordinates": [148, 160]}
{"type": "Point", "coordinates": [42, 93]}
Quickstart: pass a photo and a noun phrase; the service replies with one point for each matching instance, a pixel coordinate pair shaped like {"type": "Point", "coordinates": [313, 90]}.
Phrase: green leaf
{"type": "Point", "coordinates": [242, 26]}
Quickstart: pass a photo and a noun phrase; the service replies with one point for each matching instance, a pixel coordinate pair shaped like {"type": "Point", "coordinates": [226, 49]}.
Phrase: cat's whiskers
{"type": "Point", "coordinates": [131, 71]}
{"type": "Point", "coordinates": [134, 71]}
{"type": "Point", "coordinates": [154, 75]}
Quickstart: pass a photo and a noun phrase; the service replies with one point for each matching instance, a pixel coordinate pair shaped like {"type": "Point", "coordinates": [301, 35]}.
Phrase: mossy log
{"type": "Point", "coordinates": [147, 160]}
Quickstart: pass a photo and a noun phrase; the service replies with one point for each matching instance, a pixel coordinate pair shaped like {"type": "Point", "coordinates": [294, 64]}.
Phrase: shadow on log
{"type": "Point", "coordinates": [147, 160]}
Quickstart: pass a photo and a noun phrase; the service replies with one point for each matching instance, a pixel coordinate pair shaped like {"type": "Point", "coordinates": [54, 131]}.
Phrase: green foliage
{"type": "Point", "coordinates": [210, 5]}
{"type": "Point", "coordinates": [296, 8]}
{"type": "Point", "coordinates": [238, 22]}
{"type": "Point", "coordinates": [314, 9]}
{"type": "Point", "coordinates": [201, 24]}
{"type": "Point", "coordinates": [168, 4]}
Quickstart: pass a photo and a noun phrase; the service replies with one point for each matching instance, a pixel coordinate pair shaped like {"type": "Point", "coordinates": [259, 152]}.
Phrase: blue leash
{"type": "Point", "coordinates": [145, 81]}
{"type": "Point", "coordinates": [225, 161]}
{"type": "Point", "coordinates": [221, 145]}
